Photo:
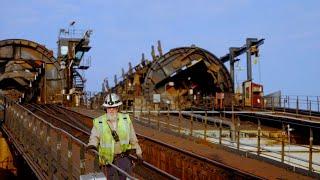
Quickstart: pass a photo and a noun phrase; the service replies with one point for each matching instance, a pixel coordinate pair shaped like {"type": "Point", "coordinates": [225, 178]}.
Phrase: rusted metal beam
{"type": "Point", "coordinates": [29, 57]}
{"type": "Point", "coordinates": [241, 50]}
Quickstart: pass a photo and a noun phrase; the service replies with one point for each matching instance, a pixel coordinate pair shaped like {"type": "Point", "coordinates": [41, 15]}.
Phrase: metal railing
{"type": "Point", "coordinates": [50, 151]}
{"type": "Point", "coordinates": [300, 105]}
{"type": "Point", "coordinates": [215, 127]}
{"type": "Point", "coordinates": [288, 103]}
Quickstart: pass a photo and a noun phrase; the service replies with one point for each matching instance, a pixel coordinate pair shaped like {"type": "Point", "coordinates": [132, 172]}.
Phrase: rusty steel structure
{"type": "Point", "coordinates": [181, 65]}
{"type": "Point", "coordinates": [29, 72]}
{"type": "Point", "coordinates": [184, 75]}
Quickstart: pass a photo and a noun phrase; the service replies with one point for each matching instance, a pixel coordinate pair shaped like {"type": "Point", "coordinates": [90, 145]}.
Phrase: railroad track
{"type": "Point", "coordinates": [55, 118]}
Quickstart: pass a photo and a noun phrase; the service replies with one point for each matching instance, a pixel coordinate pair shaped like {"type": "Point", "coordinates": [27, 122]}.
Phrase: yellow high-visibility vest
{"type": "Point", "coordinates": [106, 147]}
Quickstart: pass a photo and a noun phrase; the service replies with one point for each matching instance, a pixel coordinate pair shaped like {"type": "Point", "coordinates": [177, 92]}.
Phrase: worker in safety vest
{"type": "Point", "coordinates": [115, 138]}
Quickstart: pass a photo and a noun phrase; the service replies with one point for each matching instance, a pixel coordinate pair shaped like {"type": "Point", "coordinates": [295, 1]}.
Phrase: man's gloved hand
{"type": "Point", "coordinates": [91, 147]}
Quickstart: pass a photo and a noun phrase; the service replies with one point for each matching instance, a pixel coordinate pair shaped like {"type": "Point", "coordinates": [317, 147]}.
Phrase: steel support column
{"type": "Point", "coordinates": [249, 42]}
{"type": "Point", "coordinates": [232, 66]}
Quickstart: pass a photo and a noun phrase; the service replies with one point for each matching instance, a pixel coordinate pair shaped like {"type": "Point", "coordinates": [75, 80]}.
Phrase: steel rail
{"type": "Point", "coordinates": [70, 117]}
{"type": "Point", "coordinates": [61, 120]}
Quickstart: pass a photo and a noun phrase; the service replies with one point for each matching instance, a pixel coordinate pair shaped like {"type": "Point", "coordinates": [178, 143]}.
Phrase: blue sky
{"type": "Point", "coordinates": [122, 30]}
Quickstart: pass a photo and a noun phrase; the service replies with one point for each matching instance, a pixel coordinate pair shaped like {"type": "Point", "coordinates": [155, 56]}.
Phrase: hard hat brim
{"type": "Point", "coordinates": [113, 105]}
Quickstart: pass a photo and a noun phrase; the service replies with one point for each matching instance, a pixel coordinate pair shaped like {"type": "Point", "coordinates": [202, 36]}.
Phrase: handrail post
{"type": "Point", "coordinates": [238, 133]}
{"type": "Point", "coordinates": [284, 104]}
{"type": "Point", "coordinates": [318, 101]}
{"type": "Point", "coordinates": [205, 125]}
{"type": "Point", "coordinates": [158, 121]}
{"type": "Point", "coordinates": [149, 118]}
{"type": "Point", "coordinates": [259, 138]}
{"type": "Point", "coordinates": [310, 109]}
{"type": "Point", "coordinates": [272, 102]}
{"type": "Point", "coordinates": [282, 142]}
{"type": "Point", "coordinates": [232, 112]}
{"type": "Point", "coordinates": [297, 106]}
{"type": "Point", "coordinates": [168, 117]}
{"type": "Point", "coordinates": [220, 132]}
{"type": "Point", "coordinates": [191, 123]}
{"type": "Point", "coordinates": [310, 149]}
{"type": "Point", "coordinates": [179, 125]}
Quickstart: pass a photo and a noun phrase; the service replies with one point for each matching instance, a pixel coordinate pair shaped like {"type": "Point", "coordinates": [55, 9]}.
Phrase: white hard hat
{"type": "Point", "coordinates": [112, 100]}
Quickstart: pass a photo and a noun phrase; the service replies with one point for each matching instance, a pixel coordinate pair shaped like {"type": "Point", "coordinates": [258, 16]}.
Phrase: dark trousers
{"type": "Point", "coordinates": [123, 163]}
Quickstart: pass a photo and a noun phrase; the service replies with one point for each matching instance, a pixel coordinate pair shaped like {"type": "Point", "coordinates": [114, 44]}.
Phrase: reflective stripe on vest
{"type": "Point", "coordinates": [106, 147]}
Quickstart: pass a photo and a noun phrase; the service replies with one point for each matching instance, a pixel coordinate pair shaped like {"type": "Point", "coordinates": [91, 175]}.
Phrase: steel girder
{"type": "Point", "coordinates": [31, 67]}
{"type": "Point", "coordinates": [179, 59]}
